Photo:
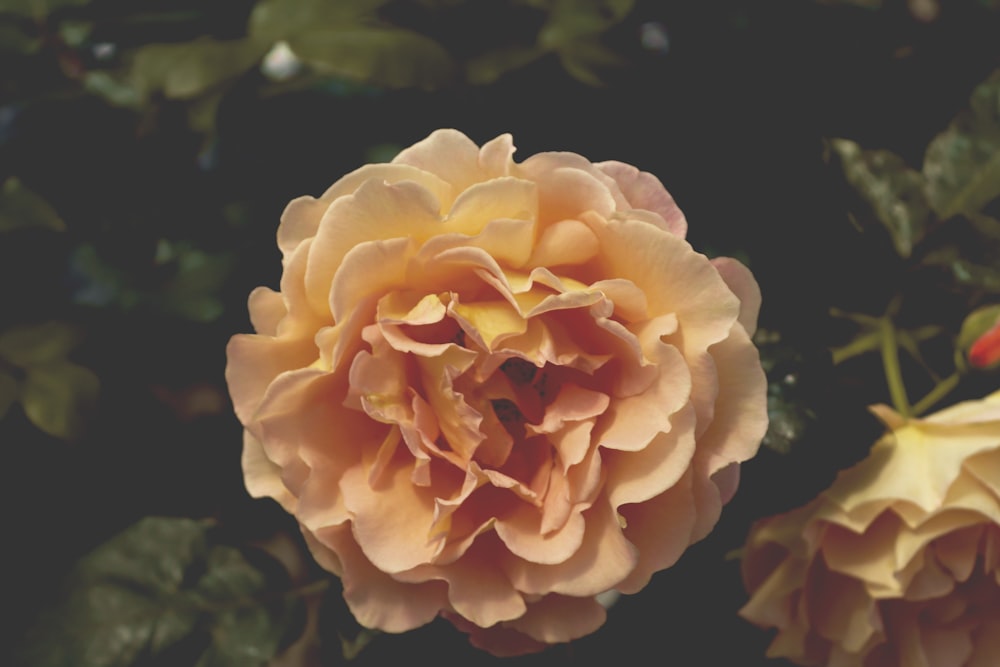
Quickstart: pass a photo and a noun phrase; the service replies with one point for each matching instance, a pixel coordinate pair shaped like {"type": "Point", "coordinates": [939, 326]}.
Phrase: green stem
{"type": "Point", "coordinates": [859, 345]}
{"type": "Point", "coordinates": [890, 362]}
{"type": "Point", "coordinates": [942, 389]}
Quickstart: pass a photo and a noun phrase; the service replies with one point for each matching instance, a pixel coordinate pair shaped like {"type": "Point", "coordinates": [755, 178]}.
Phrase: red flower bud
{"type": "Point", "coordinates": [986, 350]}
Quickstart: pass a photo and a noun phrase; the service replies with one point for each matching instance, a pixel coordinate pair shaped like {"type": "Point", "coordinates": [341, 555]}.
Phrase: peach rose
{"type": "Point", "coordinates": [898, 563]}
{"type": "Point", "coordinates": [493, 391]}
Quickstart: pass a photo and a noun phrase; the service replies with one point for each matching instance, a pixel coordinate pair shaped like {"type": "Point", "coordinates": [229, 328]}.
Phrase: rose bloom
{"type": "Point", "coordinates": [493, 390]}
{"type": "Point", "coordinates": [898, 563]}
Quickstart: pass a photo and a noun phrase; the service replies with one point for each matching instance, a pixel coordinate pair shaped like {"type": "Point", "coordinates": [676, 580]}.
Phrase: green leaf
{"type": "Point", "coordinates": [38, 344]}
{"type": "Point", "coordinates": [574, 31]}
{"type": "Point", "coordinates": [970, 273]}
{"type": "Point", "coordinates": [187, 70]}
{"type": "Point", "coordinates": [489, 67]}
{"type": "Point", "coordinates": [37, 8]}
{"type": "Point", "coordinates": [893, 191]}
{"type": "Point", "coordinates": [962, 164]}
{"type": "Point", "coordinates": [572, 19]}
{"type": "Point", "coordinates": [352, 648]}
{"type": "Point", "coordinates": [193, 292]}
{"type": "Point", "coordinates": [119, 91]}
{"type": "Point", "coordinates": [14, 38]}
{"type": "Point", "coordinates": [163, 592]}
{"type": "Point", "coordinates": [789, 408]}
{"type": "Point", "coordinates": [20, 207]}
{"type": "Point", "coordinates": [274, 20]}
{"type": "Point", "coordinates": [57, 397]}
{"type": "Point", "coordinates": [588, 61]}
{"type": "Point", "coordinates": [390, 57]}
{"type": "Point", "coordinates": [867, 4]}
{"type": "Point", "coordinates": [9, 390]}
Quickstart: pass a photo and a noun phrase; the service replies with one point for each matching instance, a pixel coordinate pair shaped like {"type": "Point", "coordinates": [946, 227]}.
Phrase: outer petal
{"type": "Point", "coordinates": [740, 419]}
{"type": "Point", "coordinates": [262, 476]}
{"type": "Point", "coordinates": [560, 618]}
{"type": "Point", "coordinates": [602, 543]}
{"type": "Point", "coordinates": [253, 362]}
{"type": "Point", "coordinates": [377, 212]}
{"type": "Point", "coordinates": [643, 190]}
{"type": "Point", "coordinates": [742, 283]}
{"type": "Point", "coordinates": [266, 310]}
{"type": "Point", "coordinates": [375, 598]}
{"type": "Point", "coordinates": [448, 154]}
{"type": "Point", "coordinates": [477, 589]}
{"type": "Point", "coordinates": [661, 530]}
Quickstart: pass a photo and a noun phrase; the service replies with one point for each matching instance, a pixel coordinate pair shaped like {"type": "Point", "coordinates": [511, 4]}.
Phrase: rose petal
{"type": "Point", "coordinates": [660, 529]}
{"type": "Point", "coordinates": [638, 476]}
{"type": "Point", "coordinates": [267, 309]}
{"type": "Point", "coordinates": [477, 590]}
{"type": "Point", "coordinates": [560, 618]}
{"type": "Point", "coordinates": [377, 600]}
{"type": "Point", "coordinates": [644, 190]}
{"type": "Point", "coordinates": [397, 541]}
{"type": "Point", "coordinates": [739, 279]}
{"type": "Point", "coordinates": [564, 242]}
{"type": "Point", "coordinates": [377, 212]}
{"type": "Point", "coordinates": [253, 362]}
{"type": "Point", "coordinates": [262, 476]}
{"type": "Point", "coordinates": [602, 542]}
{"type": "Point", "coordinates": [521, 532]}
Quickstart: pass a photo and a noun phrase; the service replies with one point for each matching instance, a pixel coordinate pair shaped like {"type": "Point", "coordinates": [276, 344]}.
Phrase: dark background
{"type": "Point", "coordinates": [732, 118]}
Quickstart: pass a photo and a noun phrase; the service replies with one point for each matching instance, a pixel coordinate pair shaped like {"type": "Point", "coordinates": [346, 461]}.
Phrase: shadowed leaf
{"type": "Point", "coordinates": [20, 207]}
{"type": "Point", "coordinates": [789, 404]}
{"type": "Point", "coordinates": [37, 344]}
{"type": "Point", "coordinates": [275, 20]}
{"type": "Point", "coordinates": [574, 31]}
{"type": "Point", "coordinates": [390, 57]}
{"type": "Point", "coordinates": [489, 67]}
{"type": "Point", "coordinates": [57, 397]}
{"type": "Point", "coordinates": [8, 392]}
{"type": "Point", "coordinates": [571, 19]}
{"type": "Point", "coordinates": [186, 70]}
{"type": "Point", "coordinates": [162, 593]}
{"type": "Point", "coordinates": [588, 61]}
{"type": "Point", "coordinates": [962, 164]}
{"type": "Point", "coordinates": [893, 191]}
{"type": "Point", "coordinates": [193, 292]}
{"type": "Point", "coordinates": [37, 8]}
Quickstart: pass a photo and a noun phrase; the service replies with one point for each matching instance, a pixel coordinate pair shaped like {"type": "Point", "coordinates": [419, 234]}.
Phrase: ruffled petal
{"type": "Point", "coordinates": [644, 190]}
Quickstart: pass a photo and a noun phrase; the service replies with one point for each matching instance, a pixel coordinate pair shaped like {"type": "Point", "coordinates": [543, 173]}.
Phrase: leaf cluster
{"type": "Point", "coordinates": [285, 45]}
{"type": "Point", "coordinates": [55, 393]}
{"type": "Point", "coordinates": [941, 222]}
{"type": "Point", "coordinates": [166, 592]}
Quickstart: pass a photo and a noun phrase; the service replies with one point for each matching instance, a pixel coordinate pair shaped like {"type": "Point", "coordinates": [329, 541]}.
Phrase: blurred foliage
{"type": "Point", "coordinates": [147, 148]}
{"type": "Point", "coordinates": [166, 592]}
{"type": "Point", "coordinates": [962, 164]}
{"type": "Point", "coordinates": [919, 212]}
{"type": "Point", "coordinates": [20, 207]}
{"type": "Point", "coordinates": [288, 45]}
{"type": "Point", "coordinates": [791, 402]}
{"type": "Point", "coordinates": [56, 393]}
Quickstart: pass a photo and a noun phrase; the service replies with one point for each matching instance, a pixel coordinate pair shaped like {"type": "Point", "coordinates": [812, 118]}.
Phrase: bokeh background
{"type": "Point", "coordinates": [148, 147]}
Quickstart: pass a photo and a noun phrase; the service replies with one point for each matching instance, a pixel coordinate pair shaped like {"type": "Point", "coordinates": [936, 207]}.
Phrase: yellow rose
{"type": "Point", "coordinates": [898, 563]}
{"type": "Point", "coordinates": [494, 390]}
